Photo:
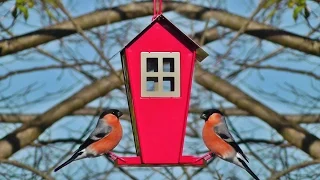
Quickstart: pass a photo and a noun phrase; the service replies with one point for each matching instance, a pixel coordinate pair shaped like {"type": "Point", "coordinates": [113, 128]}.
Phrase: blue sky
{"type": "Point", "coordinates": [53, 80]}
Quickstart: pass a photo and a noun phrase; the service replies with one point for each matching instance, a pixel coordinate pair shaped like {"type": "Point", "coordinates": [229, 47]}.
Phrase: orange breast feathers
{"type": "Point", "coordinates": [109, 142]}
{"type": "Point", "coordinates": [213, 142]}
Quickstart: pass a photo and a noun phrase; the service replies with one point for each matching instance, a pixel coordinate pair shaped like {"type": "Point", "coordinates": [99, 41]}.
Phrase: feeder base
{"type": "Point", "coordinates": [184, 161]}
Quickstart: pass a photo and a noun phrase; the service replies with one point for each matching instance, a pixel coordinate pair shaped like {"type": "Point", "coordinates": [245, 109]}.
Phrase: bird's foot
{"type": "Point", "coordinates": [115, 157]}
{"type": "Point", "coordinates": [205, 157]}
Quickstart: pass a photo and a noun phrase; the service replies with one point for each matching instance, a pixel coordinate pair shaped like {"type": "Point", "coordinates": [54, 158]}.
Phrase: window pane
{"type": "Point", "coordinates": [152, 84]}
{"type": "Point", "coordinates": [168, 64]}
{"type": "Point", "coordinates": [168, 84]}
{"type": "Point", "coordinates": [152, 64]}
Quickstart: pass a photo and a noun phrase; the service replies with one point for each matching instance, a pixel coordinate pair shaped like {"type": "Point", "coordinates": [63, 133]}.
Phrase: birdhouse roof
{"type": "Point", "coordinates": [180, 36]}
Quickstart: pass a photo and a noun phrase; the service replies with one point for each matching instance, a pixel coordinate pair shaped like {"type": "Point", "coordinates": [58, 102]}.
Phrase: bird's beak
{"type": "Point", "coordinates": [203, 116]}
{"type": "Point", "coordinates": [120, 114]}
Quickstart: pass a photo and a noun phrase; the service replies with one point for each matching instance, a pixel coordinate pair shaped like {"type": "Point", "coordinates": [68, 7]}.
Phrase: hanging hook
{"type": "Point", "coordinates": [157, 12]}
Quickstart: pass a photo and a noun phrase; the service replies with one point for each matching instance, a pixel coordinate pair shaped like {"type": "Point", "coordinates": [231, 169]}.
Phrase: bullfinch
{"type": "Point", "coordinates": [220, 142]}
{"type": "Point", "coordinates": [106, 136]}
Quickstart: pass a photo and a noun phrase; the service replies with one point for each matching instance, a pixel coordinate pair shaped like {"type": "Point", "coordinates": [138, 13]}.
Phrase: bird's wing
{"type": "Point", "coordinates": [102, 130]}
{"type": "Point", "coordinates": [223, 132]}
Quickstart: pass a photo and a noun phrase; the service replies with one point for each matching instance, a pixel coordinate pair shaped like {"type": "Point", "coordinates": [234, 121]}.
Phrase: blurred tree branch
{"type": "Point", "coordinates": [311, 74]}
{"type": "Point", "coordinates": [293, 133]}
{"type": "Point", "coordinates": [42, 68]}
{"type": "Point", "coordinates": [91, 111]}
{"type": "Point", "coordinates": [38, 138]}
{"type": "Point", "coordinates": [278, 175]}
{"type": "Point", "coordinates": [27, 167]}
{"type": "Point", "coordinates": [135, 10]}
{"type": "Point", "coordinates": [27, 133]}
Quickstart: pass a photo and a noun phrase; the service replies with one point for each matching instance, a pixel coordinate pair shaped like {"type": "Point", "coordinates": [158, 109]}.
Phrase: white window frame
{"type": "Point", "coordinates": [159, 92]}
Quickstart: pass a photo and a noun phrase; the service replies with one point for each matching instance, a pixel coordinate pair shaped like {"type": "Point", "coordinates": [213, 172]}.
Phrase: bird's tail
{"type": "Point", "coordinates": [74, 157]}
{"type": "Point", "coordinates": [246, 167]}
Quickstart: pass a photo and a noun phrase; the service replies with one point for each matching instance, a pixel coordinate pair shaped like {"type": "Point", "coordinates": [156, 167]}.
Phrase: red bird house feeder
{"type": "Point", "coordinates": [158, 66]}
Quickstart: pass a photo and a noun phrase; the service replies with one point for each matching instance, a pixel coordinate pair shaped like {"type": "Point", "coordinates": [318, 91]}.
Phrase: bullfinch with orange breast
{"type": "Point", "coordinates": [220, 142]}
{"type": "Point", "coordinates": [102, 140]}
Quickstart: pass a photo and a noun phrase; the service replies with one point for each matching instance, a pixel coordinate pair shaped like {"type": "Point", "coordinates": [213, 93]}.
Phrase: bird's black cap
{"type": "Point", "coordinates": [207, 113]}
{"type": "Point", "coordinates": [115, 112]}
